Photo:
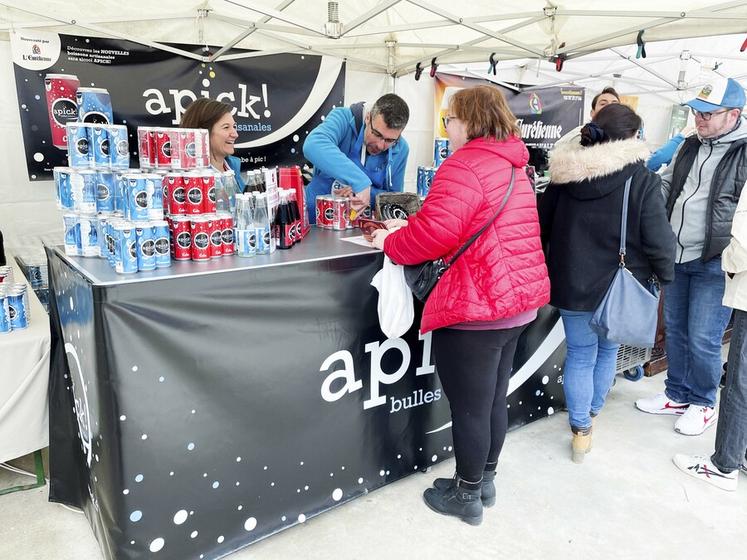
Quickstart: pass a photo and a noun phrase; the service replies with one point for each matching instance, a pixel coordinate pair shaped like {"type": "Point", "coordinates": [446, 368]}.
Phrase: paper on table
{"type": "Point", "coordinates": [358, 240]}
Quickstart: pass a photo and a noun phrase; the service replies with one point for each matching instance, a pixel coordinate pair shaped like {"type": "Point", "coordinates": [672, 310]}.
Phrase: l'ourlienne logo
{"type": "Point", "coordinates": [706, 91]}
{"type": "Point", "coordinates": [535, 104]}
{"type": "Point", "coordinates": [35, 49]}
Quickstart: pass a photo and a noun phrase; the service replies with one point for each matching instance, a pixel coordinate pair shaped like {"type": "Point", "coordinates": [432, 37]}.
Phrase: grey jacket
{"type": "Point", "coordinates": [693, 210]}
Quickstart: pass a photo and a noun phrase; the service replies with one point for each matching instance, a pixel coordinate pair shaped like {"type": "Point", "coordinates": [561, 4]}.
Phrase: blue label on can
{"type": "Point", "coordinates": [5, 325]}
{"type": "Point", "coordinates": [126, 252]}
{"type": "Point", "coordinates": [99, 145]}
{"type": "Point", "coordinates": [162, 246]}
{"type": "Point", "coordinates": [17, 311]}
{"type": "Point", "coordinates": [65, 191]}
{"type": "Point", "coordinates": [105, 187]}
{"type": "Point", "coordinates": [146, 248]}
{"type": "Point", "coordinates": [119, 147]}
{"type": "Point", "coordinates": [78, 150]}
{"type": "Point", "coordinates": [137, 199]}
{"type": "Point", "coordinates": [94, 106]}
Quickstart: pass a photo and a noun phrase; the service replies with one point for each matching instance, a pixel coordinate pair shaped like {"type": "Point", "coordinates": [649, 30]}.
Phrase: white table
{"type": "Point", "coordinates": [24, 376]}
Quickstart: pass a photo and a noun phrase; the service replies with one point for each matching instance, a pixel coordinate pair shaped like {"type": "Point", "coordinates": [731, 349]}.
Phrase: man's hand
{"type": "Point", "coordinates": [379, 235]}
{"type": "Point", "coordinates": [361, 199]}
{"type": "Point", "coordinates": [343, 191]}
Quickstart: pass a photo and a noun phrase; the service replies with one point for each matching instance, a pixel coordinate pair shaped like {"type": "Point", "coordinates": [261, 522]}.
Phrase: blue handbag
{"type": "Point", "coordinates": [628, 312]}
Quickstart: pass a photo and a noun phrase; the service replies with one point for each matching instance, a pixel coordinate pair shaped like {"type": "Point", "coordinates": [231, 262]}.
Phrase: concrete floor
{"type": "Point", "coordinates": [626, 501]}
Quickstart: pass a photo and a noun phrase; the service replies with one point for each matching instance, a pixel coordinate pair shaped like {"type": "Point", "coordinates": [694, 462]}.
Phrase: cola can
{"type": "Point", "coordinates": [340, 213]}
{"type": "Point", "coordinates": [324, 211]}
{"type": "Point", "coordinates": [193, 191]}
{"type": "Point", "coordinates": [119, 147]}
{"type": "Point", "coordinates": [207, 186]}
{"type": "Point", "coordinates": [98, 144]}
{"type": "Point", "coordinates": [79, 153]}
{"type": "Point", "coordinates": [5, 325]}
{"type": "Point", "coordinates": [89, 241]}
{"type": "Point", "coordinates": [94, 105]}
{"type": "Point", "coordinates": [162, 148]}
{"type": "Point", "coordinates": [215, 230]}
{"type": "Point", "coordinates": [440, 151]}
{"type": "Point", "coordinates": [177, 195]}
{"type": "Point", "coordinates": [62, 107]}
{"type": "Point", "coordinates": [226, 224]}
{"type": "Point", "coordinates": [155, 203]}
{"type": "Point", "coordinates": [17, 310]}
{"type": "Point", "coordinates": [71, 234]}
{"type": "Point", "coordinates": [105, 187]}
{"type": "Point", "coordinates": [125, 248]}
{"type": "Point", "coordinates": [83, 188]}
{"type": "Point", "coordinates": [181, 238]}
{"type": "Point", "coordinates": [146, 147]}
{"type": "Point", "coordinates": [200, 230]}
{"type": "Point", "coordinates": [162, 245]}
{"type": "Point", "coordinates": [136, 196]}
{"type": "Point", "coordinates": [146, 246]}
{"type": "Point", "coordinates": [63, 187]}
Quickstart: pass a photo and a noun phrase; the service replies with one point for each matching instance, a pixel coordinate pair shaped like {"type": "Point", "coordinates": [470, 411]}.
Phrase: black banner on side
{"type": "Point", "coordinates": [277, 99]}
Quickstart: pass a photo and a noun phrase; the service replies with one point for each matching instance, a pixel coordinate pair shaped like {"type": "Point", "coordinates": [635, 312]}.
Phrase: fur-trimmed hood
{"type": "Point", "coordinates": [572, 163]}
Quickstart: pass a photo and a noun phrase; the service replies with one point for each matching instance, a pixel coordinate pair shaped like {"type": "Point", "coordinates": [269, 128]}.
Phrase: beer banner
{"type": "Point", "coordinates": [277, 99]}
{"type": "Point", "coordinates": [543, 115]}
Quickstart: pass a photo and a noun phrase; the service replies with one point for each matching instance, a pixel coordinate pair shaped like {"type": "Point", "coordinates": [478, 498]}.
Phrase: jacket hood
{"type": "Point", "coordinates": [511, 149]}
{"type": "Point", "coordinates": [572, 163]}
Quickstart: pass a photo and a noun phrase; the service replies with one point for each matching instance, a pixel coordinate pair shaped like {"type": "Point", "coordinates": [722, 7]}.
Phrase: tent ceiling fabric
{"type": "Point", "coordinates": [387, 36]}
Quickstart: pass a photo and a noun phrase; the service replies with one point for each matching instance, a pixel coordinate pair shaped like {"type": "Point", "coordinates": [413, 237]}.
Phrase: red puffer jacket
{"type": "Point", "coordinates": [503, 272]}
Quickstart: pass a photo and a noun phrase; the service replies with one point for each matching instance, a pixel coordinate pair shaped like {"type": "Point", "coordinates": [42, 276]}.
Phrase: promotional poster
{"type": "Point", "coordinates": [277, 99]}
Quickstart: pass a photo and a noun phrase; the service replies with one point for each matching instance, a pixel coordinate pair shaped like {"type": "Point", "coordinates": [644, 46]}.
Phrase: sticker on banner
{"type": "Point", "coordinates": [35, 50]}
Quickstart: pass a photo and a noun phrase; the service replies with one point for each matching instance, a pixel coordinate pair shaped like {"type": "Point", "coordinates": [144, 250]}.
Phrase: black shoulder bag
{"type": "Point", "coordinates": [422, 278]}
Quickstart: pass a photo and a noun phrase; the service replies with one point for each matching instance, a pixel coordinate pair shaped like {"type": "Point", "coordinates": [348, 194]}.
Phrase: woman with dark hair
{"type": "Point", "coordinates": [580, 216]}
{"type": "Point", "coordinates": [484, 301]}
{"type": "Point", "coordinates": [216, 117]}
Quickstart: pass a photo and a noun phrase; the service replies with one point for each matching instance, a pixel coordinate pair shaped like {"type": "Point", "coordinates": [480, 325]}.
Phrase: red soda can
{"type": "Point", "coordinates": [341, 213]}
{"type": "Point", "coordinates": [193, 193]}
{"type": "Point", "coordinates": [174, 193]}
{"type": "Point", "coordinates": [182, 238]}
{"type": "Point", "coordinates": [187, 147]}
{"type": "Point", "coordinates": [324, 211]}
{"type": "Point", "coordinates": [207, 186]}
{"type": "Point", "coordinates": [174, 135]}
{"type": "Point", "coordinates": [226, 224]}
{"type": "Point", "coordinates": [61, 105]}
{"type": "Point", "coordinates": [202, 148]}
{"type": "Point", "coordinates": [215, 230]}
{"type": "Point", "coordinates": [163, 148]}
{"type": "Point", "coordinates": [200, 230]}
{"type": "Point", "coordinates": [145, 149]}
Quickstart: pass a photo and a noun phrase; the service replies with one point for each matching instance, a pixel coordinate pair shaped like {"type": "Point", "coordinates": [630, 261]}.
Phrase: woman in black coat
{"type": "Point", "coordinates": [580, 215]}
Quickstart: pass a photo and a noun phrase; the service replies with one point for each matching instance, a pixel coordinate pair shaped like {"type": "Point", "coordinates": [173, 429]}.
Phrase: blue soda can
{"type": "Point", "coordinates": [17, 310]}
{"type": "Point", "coordinates": [89, 240]}
{"type": "Point", "coordinates": [146, 246]}
{"type": "Point", "coordinates": [83, 189]}
{"type": "Point", "coordinates": [119, 147]}
{"type": "Point", "coordinates": [63, 187]}
{"type": "Point", "coordinates": [137, 198]}
{"type": "Point", "coordinates": [440, 151]}
{"type": "Point", "coordinates": [163, 244]}
{"type": "Point", "coordinates": [79, 151]}
{"type": "Point", "coordinates": [262, 240]}
{"type": "Point", "coordinates": [102, 221]}
{"type": "Point", "coordinates": [126, 249]}
{"type": "Point", "coordinates": [99, 146]}
{"type": "Point", "coordinates": [27, 306]}
{"type": "Point", "coordinates": [94, 106]}
{"type": "Point", "coordinates": [5, 326]}
{"type": "Point", "coordinates": [72, 234]}
{"type": "Point", "coordinates": [155, 201]}
{"type": "Point", "coordinates": [105, 187]}
{"type": "Point", "coordinates": [110, 237]}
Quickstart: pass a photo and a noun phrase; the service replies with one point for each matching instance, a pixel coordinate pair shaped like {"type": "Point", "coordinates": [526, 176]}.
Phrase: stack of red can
{"type": "Point", "coordinates": [333, 212]}
{"type": "Point", "coordinates": [198, 233]}
{"type": "Point", "coordinates": [173, 148]}
{"type": "Point", "coordinates": [291, 178]}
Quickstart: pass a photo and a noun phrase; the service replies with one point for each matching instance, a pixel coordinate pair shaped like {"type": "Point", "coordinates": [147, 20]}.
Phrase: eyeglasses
{"type": "Point", "coordinates": [707, 115]}
{"type": "Point", "coordinates": [380, 136]}
{"type": "Point", "coordinates": [447, 119]}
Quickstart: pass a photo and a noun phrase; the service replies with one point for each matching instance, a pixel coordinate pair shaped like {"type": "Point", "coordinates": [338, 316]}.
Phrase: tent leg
{"type": "Point", "coordinates": [38, 471]}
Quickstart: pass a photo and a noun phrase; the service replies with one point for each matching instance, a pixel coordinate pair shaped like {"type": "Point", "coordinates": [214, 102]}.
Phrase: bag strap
{"type": "Point", "coordinates": [624, 222]}
{"type": "Point", "coordinates": [483, 228]}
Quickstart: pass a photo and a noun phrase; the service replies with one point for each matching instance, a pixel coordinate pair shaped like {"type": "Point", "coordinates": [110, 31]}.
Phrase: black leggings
{"type": "Point", "coordinates": [474, 368]}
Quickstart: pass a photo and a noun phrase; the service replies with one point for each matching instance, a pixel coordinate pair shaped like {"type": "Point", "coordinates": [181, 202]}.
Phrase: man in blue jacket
{"type": "Point", "coordinates": [358, 153]}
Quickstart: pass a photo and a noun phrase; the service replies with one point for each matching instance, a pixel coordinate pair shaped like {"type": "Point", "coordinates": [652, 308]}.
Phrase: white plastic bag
{"type": "Point", "coordinates": [395, 308]}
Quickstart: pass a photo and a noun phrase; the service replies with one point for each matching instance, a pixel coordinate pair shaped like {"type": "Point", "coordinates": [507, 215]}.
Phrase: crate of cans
{"type": "Point", "coordinates": [97, 146]}
{"type": "Point", "coordinates": [201, 237]}
{"type": "Point", "coordinates": [333, 212]}
{"type": "Point", "coordinates": [15, 311]}
{"type": "Point", "coordinates": [425, 179]}
{"type": "Point", "coordinates": [173, 148]}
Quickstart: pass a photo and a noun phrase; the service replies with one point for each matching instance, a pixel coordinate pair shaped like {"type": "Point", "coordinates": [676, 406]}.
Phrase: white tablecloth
{"type": "Point", "coordinates": [24, 376]}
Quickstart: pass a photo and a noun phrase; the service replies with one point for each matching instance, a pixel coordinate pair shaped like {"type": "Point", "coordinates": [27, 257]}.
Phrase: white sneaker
{"type": "Point", "coordinates": [700, 467]}
{"type": "Point", "coordinates": [695, 420]}
{"type": "Point", "coordinates": [661, 404]}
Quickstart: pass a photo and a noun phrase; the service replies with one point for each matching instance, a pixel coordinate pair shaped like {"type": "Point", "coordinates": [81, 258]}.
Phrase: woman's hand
{"type": "Point", "coordinates": [378, 236]}
{"type": "Point", "coordinates": [395, 224]}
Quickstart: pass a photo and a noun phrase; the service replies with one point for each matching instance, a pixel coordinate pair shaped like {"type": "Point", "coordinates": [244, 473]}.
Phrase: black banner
{"type": "Point", "coordinates": [278, 99]}
{"type": "Point", "coordinates": [214, 410]}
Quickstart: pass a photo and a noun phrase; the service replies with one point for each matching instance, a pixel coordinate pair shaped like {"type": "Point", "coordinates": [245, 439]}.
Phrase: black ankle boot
{"type": "Point", "coordinates": [457, 501]}
{"type": "Point", "coordinates": [487, 489]}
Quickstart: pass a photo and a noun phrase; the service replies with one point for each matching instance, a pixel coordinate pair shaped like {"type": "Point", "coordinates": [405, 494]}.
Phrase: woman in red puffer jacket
{"type": "Point", "coordinates": [483, 302]}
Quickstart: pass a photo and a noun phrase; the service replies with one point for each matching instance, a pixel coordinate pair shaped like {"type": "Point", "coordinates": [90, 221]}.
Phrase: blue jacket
{"type": "Point", "coordinates": [235, 164]}
{"type": "Point", "coordinates": [664, 155]}
{"type": "Point", "coordinates": [329, 147]}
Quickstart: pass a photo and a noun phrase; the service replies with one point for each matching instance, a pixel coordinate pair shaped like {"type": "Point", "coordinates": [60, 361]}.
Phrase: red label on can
{"type": "Point", "coordinates": [216, 237]}
{"type": "Point", "coordinates": [186, 149]}
{"type": "Point", "coordinates": [226, 224]}
{"type": "Point", "coordinates": [340, 213]}
{"type": "Point", "coordinates": [200, 239]}
{"type": "Point", "coordinates": [324, 211]}
{"type": "Point", "coordinates": [207, 186]}
{"type": "Point", "coordinates": [61, 105]}
{"type": "Point", "coordinates": [163, 149]}
{"type": "Point", "coordinates": [182, 239]}
{"type": "Point", "coordinates": [192, 194]}
{"type": "Point", "coordinates": [177, 197]}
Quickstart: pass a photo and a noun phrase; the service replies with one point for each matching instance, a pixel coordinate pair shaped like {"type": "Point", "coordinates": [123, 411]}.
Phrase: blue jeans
{"type": "Point", "coordinates": [589, 368]}
{"type": "Point", "coordinates": [731, 433]}
{"type": "Point", "coordinates": [695, 321]}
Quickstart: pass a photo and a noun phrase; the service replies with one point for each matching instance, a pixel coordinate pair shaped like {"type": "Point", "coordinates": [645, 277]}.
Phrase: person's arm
{"type": "Point", "coordinates": [668, 173]}
{"type": "Point", "coordinates": [322, 148]}
{"type": "Point", "coordinates": [546, 213]}
{"type": "Point", "coordinates": [657, 237]}
{"type": "Point", "coordinates": [734, 257]}
{"type": "Point", "coordinates": [664, 155]}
